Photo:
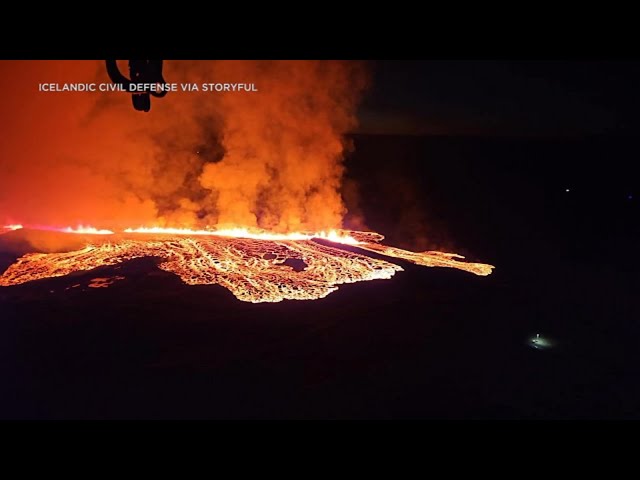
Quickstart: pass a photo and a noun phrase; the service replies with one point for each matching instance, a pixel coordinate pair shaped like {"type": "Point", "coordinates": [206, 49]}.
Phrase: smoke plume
{"type": "Point", "coordinates": [269, 159]}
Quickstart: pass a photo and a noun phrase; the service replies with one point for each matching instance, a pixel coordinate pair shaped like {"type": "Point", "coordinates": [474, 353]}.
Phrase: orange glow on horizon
{"type": "Point", "coordinates": [87, 230]}
{"type": "Point", "coordinates": [331, 235]}
{"type": "Point", "coordinates": [241, 232]}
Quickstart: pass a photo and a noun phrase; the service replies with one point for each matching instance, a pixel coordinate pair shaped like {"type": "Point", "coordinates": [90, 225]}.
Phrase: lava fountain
{"type": "Point", "coordinates": [255, 266]}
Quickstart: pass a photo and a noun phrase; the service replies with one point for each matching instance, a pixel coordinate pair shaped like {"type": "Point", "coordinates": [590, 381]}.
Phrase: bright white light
{"type": "Point", "coordinates": [12, 227]}
{"type": "Point", "coordinates": [540, 343]}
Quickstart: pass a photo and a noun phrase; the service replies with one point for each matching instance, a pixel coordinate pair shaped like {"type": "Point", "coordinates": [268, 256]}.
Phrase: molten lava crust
{"type": "Point", "coordinates": [253, 269]}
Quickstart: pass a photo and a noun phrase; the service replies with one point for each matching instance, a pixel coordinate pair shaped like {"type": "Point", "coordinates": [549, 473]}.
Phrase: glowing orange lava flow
{"type": "Point", "coordinates": [255, 267]}
{"type": "Point", "coordinates": [81, 229]}
{"type": "Point", "coordinates": [332, 235]}
{"type": "Point", "coordinates": [430, 258]}
{"type": "Point", "coordinates": [12, 227]}
{"type": "Point", "coordinates": [86, 230]}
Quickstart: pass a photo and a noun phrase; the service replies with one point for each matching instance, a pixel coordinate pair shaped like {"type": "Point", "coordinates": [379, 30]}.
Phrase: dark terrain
{"type": "Point", "coordinates": [430, 343]}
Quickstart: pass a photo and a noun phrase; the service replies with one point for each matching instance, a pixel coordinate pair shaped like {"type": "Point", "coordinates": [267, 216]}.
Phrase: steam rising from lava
{"type": "Point", "coordinates": [270, 159]}
{"type": "Point", "coordinates": [282, 166]}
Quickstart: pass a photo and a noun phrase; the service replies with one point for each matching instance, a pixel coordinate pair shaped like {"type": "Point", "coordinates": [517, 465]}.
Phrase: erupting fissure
{"type": "Point", "coordinates": [270, 161]}
{"type": "Point", "coordinates": [249, 264]}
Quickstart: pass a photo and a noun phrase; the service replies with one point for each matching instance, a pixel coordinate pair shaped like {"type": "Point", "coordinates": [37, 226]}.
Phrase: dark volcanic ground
{"type": "Point", "coordinates": [430, 343]}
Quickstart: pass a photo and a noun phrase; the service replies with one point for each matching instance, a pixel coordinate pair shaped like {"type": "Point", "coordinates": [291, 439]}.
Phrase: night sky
{"type": "Point", "coordinates": [503, 98]}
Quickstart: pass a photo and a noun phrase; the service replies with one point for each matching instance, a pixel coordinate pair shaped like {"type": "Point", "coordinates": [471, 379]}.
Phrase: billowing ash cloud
{"type": "Point", "coordinates": [271, 159]}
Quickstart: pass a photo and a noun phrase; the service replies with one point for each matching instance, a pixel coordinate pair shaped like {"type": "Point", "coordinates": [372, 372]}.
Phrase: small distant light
{"type": "Point", "coordinates": [567, 190]}
{"type": "Point", "coordinates": [630, 197]}
{"type": "Point", "coordinates": [198, 152]}
{"type": "Point", "coordinates": [540, 343]}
